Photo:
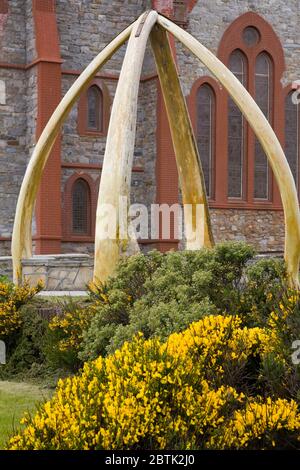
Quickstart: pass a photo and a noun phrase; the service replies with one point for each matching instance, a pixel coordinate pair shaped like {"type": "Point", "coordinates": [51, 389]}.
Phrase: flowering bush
{"type": "Point", "coordinates": [196, 390]}
{"type": "Point", "coordinates": [11, 299]}
{"type": "Point", "coordinates": [279, 374]}
{"type": "Point", "coordinates": [260, 424]}
{"type": "Point", "coordinates": [70, 325]}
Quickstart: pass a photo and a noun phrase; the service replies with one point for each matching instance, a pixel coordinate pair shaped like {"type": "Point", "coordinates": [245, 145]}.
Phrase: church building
{"type": "Point", "coordinates": [44, 47]}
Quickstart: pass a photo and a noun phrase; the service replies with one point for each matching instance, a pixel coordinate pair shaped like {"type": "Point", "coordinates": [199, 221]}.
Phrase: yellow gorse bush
{"type": "Point", "coordinates": [158, 395]}
{"type": "Point", "coordinates": [71, 325]}
{"type": "Point", "coordinates": [11, 299]}
{"type": "Point", "coordinates": [278, 318]}
{"type": "Point", "coordinates": [257, 421]}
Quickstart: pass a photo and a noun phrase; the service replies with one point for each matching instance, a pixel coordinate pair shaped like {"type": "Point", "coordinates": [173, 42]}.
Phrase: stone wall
{"type": "Point", "coordinates": [13, 33]}
{"type": "Point", "coordinates": [18, 113]}
{"type": "Point", "coordinates": [12, 146]}
{"type": "Point", "coordinates": [263, 229]}
{"type": "Point", "coordinates": [86, 26]}
{"type": "Point", "coordinates": [58, 272]}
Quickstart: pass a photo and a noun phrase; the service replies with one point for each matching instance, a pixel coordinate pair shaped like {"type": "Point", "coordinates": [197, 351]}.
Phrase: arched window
{"type": "Point", "coordinates": [236, 131]}
{"type": "Point", "coordinates": [94, 109]}
{"type": "Point", "coordinates": [253, 52]}
{"type": "Point", "coordinates": [292, 138]}
{"type": "Point", "coordinates": [81, 207]}
{"type": "Point", "coordinates": [264, 99]}
{"type": "Point", "coordinates": [206, 129]}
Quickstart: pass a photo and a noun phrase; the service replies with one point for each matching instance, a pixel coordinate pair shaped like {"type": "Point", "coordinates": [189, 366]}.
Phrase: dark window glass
{"type": "Point", "coordinates": [80, 207]}
{"type": "Point", "coordinates": [94, 104]}
{"type": "Point", "coordinates": [236, 131]}
{"type": "Point", "coordinates": [264, 99]}
{"type": "Point", "coordinates": [251, 36]}
{"type": "Point", "coordinates": [179, 9]}
{"type": "Point", "coordinates": [292, 124]}
{"type": "Point", "coordinates": [206, 134]}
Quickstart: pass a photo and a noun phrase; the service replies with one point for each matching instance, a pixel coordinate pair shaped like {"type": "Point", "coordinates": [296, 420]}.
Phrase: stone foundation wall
{"type": "Point", "coordinates": [261, 228]}
{"type": "Point", "coordinates": [58, 272]}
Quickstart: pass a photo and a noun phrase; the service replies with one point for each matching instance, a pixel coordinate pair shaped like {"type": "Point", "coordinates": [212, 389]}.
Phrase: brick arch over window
{"type": "Point", "coordinates": [248, 38]}
{"type": "Point", "coordinates": [79, 208]}
{"type": "Point", "coordinates": [94, 110]}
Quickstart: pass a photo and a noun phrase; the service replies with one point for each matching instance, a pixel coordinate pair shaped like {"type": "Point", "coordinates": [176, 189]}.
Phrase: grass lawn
{"type": "Point", "coordinates": [15, 399]}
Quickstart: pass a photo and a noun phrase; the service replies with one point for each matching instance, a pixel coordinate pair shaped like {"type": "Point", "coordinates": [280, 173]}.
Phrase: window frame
{"type": "Point", "coordinates": [289, 89]}
{"type": "Point", "coordinates": [192, 105]}
{"type": "Point", "coordinates": [82, 118]}
{"type": "Point", "coordinates": [67, 222]}
{"type": "Point", "coordinates": [87, 232]}
{"type": "Point", "coordinates": [271, 105]}
{"type": "Point", "coordinates": [212, 137]}
{"type": "Point", "coordinates": [98, 111]}
{"type": "Point", "coordinates": [244, 136]}
{"type": "Point", "coordinates": [268, 42]}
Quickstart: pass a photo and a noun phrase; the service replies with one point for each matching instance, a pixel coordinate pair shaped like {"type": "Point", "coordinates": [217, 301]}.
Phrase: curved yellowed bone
{"type": "Point", "coordinates": [265, 135]}
{"type": "Point", "coordinates": [21, 237]}
{"type": "Point", "coordinates": [117, 165]}
{"type": "Point", "coordinates": [187, 158]}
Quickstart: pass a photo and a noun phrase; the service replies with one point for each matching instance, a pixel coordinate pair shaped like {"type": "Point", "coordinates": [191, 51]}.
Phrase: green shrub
{"type": "Point", "coordinates": [280, 375]}
{"type": "Point", "coordinates": [158, 294]}
{"type": "Point", "coordinates": [263, 291]}
{"type": "Point", "coordinates": [170, 291]}
{"type": "Point", "coordinates": [159, 320]}
{"type": "Point", "coordinates": [26, 346]}
{"type": "Point", "coordinates": [11, 299]}
{"type": "Point", "coordinates": [33, 351]}
{"type": "Point", "coordinates": [64, 334]}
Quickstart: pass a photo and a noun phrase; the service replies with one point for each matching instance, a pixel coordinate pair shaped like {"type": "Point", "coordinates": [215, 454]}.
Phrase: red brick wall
{"type": "Point", "coordinates": [48, 207]}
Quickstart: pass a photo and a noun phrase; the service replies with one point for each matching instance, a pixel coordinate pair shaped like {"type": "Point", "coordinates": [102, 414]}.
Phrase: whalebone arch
{"type": "Point", "coordinates": [118, 158]}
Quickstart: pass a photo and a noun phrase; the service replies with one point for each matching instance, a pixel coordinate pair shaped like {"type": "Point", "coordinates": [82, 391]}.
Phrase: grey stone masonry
{"type": "Point", "coordinates": [70, 272]}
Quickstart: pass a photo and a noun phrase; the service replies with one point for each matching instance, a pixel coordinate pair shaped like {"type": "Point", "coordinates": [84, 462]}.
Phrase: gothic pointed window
{"type": "Point", "coordinates": [206, 125]}
{"type": "Point", "coordinates": [236, 131]}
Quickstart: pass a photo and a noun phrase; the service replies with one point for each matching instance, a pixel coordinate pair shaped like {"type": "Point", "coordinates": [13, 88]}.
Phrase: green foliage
{"type": "Point", "coordinates": [32, 351]}
{"type": "Point", "coordinates": [64, 334]}
{"type": "Point", "coordinates": [25, 347]}
{"type": "Point", "coordinates": [158, 294]}
{"type": "Point", "coordinates": [282, 376]}
{"type": "Point", "coordinates": [265, 288]}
